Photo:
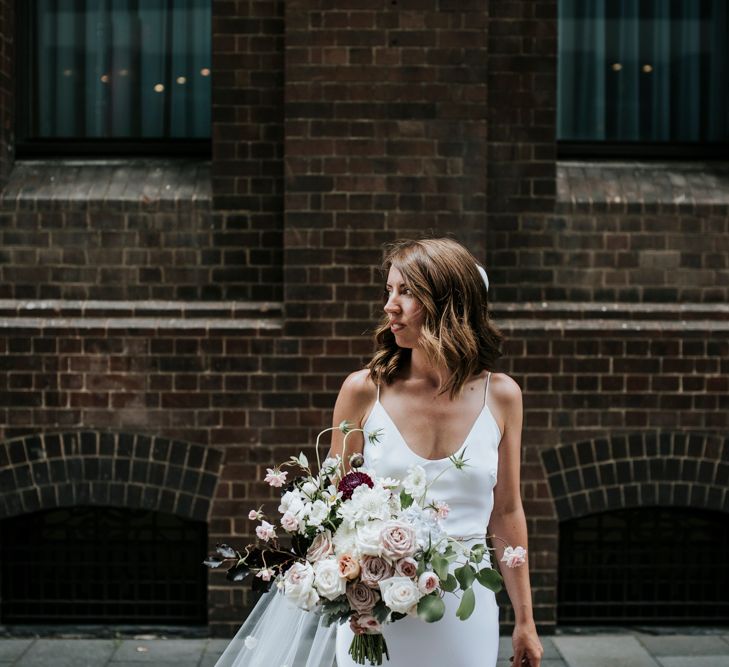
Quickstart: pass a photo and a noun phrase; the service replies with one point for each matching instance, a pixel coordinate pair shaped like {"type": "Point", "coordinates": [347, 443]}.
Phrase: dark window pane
{"type": "Point", "coordinates": [643, 71]}
{"type": "Point", "coordinates": [122, 69]}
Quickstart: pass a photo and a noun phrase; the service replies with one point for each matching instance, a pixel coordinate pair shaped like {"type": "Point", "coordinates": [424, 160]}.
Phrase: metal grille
{"type": "Point", "coordinates": [651, 565]}
{"type": "Point", "coordinates": [102, 565]}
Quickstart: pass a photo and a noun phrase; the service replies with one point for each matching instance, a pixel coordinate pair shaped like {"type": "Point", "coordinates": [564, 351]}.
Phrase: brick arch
{"type": "Point", "coordinates": [639, 469]}
{"type": "Point", "coordinates": [135, 471]}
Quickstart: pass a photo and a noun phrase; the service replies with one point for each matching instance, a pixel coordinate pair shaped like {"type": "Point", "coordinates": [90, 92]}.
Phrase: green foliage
{"type": "Point", "coordinates": [405, 500]}
{"type": "Point", "coordinates": [465, 575]}
{"type": "Point", "coordinates": [431, 608]}
{"type": "Point", "coordinates": [380, 611]}
{"type": "Point", "coordinates": [490, 578]}
{"type": "Point", "coordinates": [440, 566]}
{"type": "Point", "coordinates": [450, 584]}
{"type": "Point", "coordinates": [477, 552]}
{"type": "Point", "coordinates": [468, 603]}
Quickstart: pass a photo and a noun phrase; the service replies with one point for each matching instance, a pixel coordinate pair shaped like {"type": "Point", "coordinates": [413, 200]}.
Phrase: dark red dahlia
{"type": "Point", "coordinates": [351, 481]}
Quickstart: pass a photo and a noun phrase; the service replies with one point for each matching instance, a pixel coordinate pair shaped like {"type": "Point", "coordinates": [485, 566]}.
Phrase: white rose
{"type": "Point", "coordinates": [299, 586]}
{"type": "Point", "coordinates": [368, 538]}
{"type": "Point", "coordinates": [317, 513]}
{"type": "Point", "coordinates": [414, 483]}
{"type": "Point", "coordinates": [400, 594]}
{"type": "Point", "coordinates": [328, 582]}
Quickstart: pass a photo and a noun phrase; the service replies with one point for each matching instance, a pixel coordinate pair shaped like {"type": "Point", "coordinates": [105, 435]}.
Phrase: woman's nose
{"type": "Point", "coordinates": [391, 304]}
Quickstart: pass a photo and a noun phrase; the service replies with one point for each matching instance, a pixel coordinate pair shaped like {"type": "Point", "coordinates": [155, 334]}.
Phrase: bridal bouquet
{"type": "Point", "coordinates": [362, 548]}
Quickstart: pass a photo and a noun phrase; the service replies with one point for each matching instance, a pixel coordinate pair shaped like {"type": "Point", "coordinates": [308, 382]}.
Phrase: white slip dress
{"type": "Point", "coordinates": [469, 493]}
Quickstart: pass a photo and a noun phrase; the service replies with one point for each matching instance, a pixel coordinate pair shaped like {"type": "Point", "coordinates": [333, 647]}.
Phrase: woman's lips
{"type": "Point", "coordinates": [395, 327]}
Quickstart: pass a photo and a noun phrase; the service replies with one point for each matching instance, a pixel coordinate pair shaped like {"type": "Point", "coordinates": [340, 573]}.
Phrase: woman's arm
{"type": "Point", "coordinates": [509, 523]}
{"type": "Point", "coordinates": [355, 396]}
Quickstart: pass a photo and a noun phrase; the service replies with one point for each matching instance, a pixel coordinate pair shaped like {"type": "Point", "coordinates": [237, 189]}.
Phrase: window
{"type": "Point", "coordinates": [129, 76]}
{"type": "Point", "coordinates": [643, 77]}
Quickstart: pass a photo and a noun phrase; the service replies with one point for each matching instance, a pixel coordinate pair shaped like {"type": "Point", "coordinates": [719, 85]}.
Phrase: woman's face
{"type": "Point", "coordinates": [405, 312]}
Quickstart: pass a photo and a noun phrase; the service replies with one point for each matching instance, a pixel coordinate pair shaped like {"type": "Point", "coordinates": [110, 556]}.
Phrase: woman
{"type": "Point", "coordinates": [430, 389]}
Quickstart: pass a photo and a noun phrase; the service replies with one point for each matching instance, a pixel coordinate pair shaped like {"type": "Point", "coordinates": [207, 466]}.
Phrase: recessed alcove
{"type": "Point", "coordinates": [102, 565]}
{"type": "Point", "coordinates": [644, 565]}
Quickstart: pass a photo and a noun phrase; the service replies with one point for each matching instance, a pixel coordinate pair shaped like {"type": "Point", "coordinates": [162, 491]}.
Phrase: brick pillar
{"type": "Point", "coordinates": [522, 84]}
{"type": "Point", "coordinates": [247, 139]}
{"type": "Point", "coordinates": [385, 137]}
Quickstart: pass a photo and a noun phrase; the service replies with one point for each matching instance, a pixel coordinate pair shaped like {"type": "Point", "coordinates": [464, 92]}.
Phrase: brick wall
{"type": "Point", "coordinates": [247, 132]}
{"type": "Point", "coordinates": [338, 128]}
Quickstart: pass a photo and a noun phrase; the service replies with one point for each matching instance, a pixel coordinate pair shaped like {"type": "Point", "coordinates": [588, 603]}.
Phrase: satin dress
{"type": "Point", "coordinates": [449, 642]}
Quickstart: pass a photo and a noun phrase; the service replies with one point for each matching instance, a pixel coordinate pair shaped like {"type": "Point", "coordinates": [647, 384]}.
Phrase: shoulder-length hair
{"type": "Point", "coordinates": [457, 331]}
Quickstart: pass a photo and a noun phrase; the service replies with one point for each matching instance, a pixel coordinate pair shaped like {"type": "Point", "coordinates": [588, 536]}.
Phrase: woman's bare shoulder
{"type": "Point", "coordinates": [356, 395]}
{"type": "Point", "coordinates": [505, 389]}
{"type": "Point", "coordinates": [359, 387]}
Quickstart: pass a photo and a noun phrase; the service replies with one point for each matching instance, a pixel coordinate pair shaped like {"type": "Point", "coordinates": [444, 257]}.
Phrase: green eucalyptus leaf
{"type": "Point", "coordinates": [440, 566]}
{"type": "Point", "coordinates": [405, 500]}
{"type": "Point", "coordinates": [490, 578]}
{"type": "Point", "coordinates": [468, 603]}
{"type": "Point", "coordinates": [431, 608]}
{"type": "Point", "coordinates": [450, 584]}
{"type": "Point", "coordinates": [465, 575]}
{"type": "Point", "coordinates": [380, 611]}
{"type": "Point", "coordinates": [477, 552]}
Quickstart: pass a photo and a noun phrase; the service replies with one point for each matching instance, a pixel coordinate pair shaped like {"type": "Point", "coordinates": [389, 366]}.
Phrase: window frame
{"type": "Point", "coordinates": [27, 146]}
{"type": "Point", "coordinates": [651, 150]}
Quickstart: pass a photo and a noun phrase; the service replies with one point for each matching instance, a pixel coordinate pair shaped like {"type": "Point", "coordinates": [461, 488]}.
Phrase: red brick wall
{"type": "Point", "coordinates": [338, 127]}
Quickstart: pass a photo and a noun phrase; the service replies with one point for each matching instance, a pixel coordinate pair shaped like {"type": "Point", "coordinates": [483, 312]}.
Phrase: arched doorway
{"type": "Point", "coordinates": [647, 565]}
{"type": "Point", "coordinates": [102, 565]}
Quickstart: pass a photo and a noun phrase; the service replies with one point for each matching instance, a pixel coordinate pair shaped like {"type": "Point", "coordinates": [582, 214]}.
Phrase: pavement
{"type": "Point", "coordinates": [569, 647]}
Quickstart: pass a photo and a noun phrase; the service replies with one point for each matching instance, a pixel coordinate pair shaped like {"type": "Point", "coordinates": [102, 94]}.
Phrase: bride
{"type": "Point", "coordinates": [430, 389]}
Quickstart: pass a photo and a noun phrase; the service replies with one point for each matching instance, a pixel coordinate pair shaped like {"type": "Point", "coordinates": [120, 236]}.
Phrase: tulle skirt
{"type": "Point", "coordinates": [278, 634]}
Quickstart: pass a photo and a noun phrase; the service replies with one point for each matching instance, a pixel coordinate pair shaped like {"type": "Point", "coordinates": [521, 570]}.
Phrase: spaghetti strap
{"type": "Point", "coordinates": [378, 391]}
{"type": "Point", "coordinates": [486, 391]}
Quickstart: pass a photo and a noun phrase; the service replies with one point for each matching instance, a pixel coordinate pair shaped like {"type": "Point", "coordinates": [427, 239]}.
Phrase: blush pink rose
{"type": "Point", "coordinates": [514, 556]}
{"type": "Point", "coordinates": [374, 570]}
{"type": "Point", "coordinates": [289, 522]}
{"type": "Point", "coordinates": [428, 582]}
{"type": "Point", "coordinates": [265, 531]}
{"type": "Point", "coordinates": [361, 598]}
{"type": "Point", "coordinates": [275, 477]}
{"type": "Point", "coordinates": [365, 624]}
{"type": "Point", "coordinates": [406, 567]}
{"type": "Point", "coordinates": [398, 539]}
{"type": "Point", "coordinates": [348, 567]}
{"type": "Point", "coordinates": [320, 548]}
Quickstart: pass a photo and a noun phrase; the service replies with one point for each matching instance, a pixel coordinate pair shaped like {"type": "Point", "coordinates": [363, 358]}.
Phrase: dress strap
{"type": "Point", "coordinates": [486, 390]}
{"type": "Point", "coordinates": [378, 391]}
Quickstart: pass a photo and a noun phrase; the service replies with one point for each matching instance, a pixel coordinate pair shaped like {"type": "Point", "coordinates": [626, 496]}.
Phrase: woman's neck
{"type": "Point", "coordinates": [423, 370]}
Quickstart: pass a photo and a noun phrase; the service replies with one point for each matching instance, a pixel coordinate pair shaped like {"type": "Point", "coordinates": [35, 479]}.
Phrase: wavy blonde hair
{"type": "Point", "coordinates": [457, 332]}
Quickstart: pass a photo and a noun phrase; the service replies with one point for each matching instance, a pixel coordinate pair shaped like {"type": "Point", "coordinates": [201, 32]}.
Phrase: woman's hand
{"type": "Point", "coordinates": [527, 647]}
